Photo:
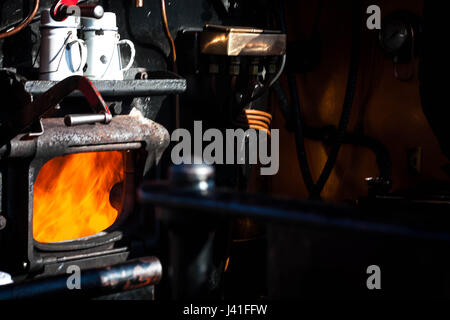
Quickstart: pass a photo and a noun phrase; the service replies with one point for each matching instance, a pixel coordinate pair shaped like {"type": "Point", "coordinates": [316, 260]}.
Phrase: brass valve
{"type": "Point", "coordinates": [139, 3]}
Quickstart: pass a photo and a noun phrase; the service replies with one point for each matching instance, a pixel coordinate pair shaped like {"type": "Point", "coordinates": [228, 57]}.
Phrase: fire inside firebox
{"type": "Point", "coordinates": [72, 196]}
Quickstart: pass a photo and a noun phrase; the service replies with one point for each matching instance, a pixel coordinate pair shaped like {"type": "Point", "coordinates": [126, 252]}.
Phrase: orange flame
{"type": "Point", "coordinates": [72, 196]}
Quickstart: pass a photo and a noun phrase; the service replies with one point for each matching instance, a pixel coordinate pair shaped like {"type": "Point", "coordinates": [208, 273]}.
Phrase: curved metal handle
{"type": "Point", "coordinates": [83, 54]}
{"type": "Point", "coordinates": [133, 53]}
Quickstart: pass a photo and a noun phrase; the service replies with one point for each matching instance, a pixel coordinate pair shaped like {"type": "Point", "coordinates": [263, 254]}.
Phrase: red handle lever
{"type": "Point", "coordinates": [56, 6]}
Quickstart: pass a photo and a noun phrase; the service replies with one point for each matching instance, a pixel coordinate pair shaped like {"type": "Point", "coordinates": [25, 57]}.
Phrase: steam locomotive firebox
{"type": "Point", "coordinates": [70, 192]}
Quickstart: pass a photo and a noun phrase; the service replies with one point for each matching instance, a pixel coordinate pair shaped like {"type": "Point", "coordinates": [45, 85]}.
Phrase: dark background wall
{"type": "Point", "coordinates": [385, 108]}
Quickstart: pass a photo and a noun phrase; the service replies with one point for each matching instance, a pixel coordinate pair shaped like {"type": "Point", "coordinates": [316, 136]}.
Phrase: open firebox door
{"type": "Point", "coordinates": [69, 183]}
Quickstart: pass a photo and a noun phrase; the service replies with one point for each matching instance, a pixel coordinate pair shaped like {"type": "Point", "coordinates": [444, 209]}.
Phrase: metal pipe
{"type": "Point", "coordinates": [227, 205]}
{"type": "Point", "coordinates": [191, 240]}
{"type": "Point", "coordinates": [92, 11]}
{"type": "Point", "coordinates": [121, 89]}
{"type": "Point", "coordinates": [80, 119]}
{"type": "Point", "coordinates": [88, 11]}
{"type": "Point", "coordinates": [93, 283]}
{"type": "Point", "coordinates": [23, 24]}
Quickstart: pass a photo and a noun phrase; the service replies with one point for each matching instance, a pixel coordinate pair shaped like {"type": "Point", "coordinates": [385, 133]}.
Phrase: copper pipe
{"type": "Point", "coordinates": [254, 119]}
{"type": "Point", "coordinates": [168, 34]}
{"type": "Point", "coordinates": [258, 112]}
{"type": "Point", "coordinates": [23, 24]}
{"type": "Point", "coordinates": [174, 58]}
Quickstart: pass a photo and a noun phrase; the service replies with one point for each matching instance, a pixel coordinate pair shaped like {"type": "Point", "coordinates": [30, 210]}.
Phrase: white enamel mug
{"type": "Point", "coordinates": [104, 54]}
{"type": "Point", "coordinates": [62, 54]}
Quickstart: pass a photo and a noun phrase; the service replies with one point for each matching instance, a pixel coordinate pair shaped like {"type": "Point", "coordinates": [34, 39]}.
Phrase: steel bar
{"type": "Point", "coordinates": [224, 205]}
{"type": "Point", "coordinates": [93, 283]}
{"type": "Point", "coordinates": [80, 119]}
{"type": "Point", "coordinates": [123, 88]}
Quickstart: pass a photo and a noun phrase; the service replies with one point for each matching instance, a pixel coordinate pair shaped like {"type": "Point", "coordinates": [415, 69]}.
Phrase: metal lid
{"type": "Point", "coordinates": [107, 23]}
{"type": "Point", "coordinates": [48, 22]}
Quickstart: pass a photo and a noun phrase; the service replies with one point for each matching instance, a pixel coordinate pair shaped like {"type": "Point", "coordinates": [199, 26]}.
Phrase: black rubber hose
{"type": "Point", "coordinates": [299, 138]}
{"type": "Point", "coordinates": [295, 102]}
{"type": "Point", "coordinates": [328, 136]}
{"type": "Point", "coordinates": [316, 189]}
{"type": "Point", "coordinates": [348, 104]}
{"type": "Point", "coordinates": [285, 106]}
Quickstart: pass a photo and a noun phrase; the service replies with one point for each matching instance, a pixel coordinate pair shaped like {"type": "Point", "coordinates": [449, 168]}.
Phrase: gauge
{"type": "Point", "coordinates": [394, 35]}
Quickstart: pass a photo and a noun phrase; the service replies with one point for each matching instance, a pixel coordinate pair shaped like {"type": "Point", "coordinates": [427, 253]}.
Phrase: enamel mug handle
{"type": "Point", "coordinates": [133, 53]}
{"type": "Point", "coordinates": [83, 54]}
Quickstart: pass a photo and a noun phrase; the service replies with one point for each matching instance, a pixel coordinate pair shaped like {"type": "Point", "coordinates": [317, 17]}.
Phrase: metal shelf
{"type": "Point", "coordinates": [120, 88]}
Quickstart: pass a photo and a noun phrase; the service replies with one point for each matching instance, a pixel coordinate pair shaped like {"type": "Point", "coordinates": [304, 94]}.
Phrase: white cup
{"type": "Point", "coordinates": [62, 53]}
{"type": "Point", "coordinates": [103, 42]}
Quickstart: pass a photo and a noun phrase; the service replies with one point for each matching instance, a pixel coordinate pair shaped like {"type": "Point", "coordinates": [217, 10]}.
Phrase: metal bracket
{"type": "Point", "coordinates": [46, 105]}
{"type": "Point", "coordinates": [37, 129]}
